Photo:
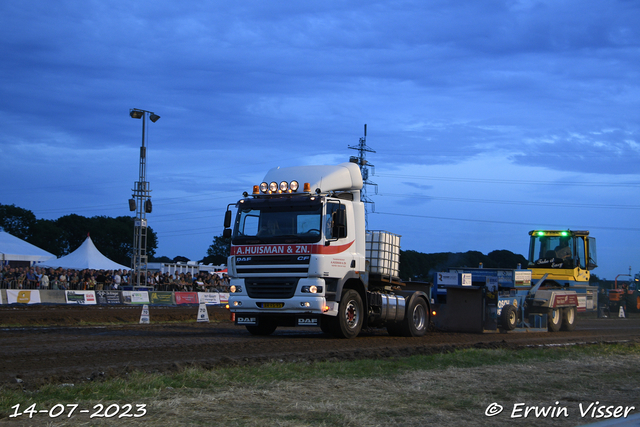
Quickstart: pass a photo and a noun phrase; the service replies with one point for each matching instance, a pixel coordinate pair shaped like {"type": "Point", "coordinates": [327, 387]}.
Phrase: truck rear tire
{"type": "Point", "coordinates": [554, 319]}
{"type": "Point", "coordinates": [568, 319]}
{"type": "Point", "coordinates": [265, 327]}
{"type": "Point", "coordinates": [350, 315]}
{"type": "Point", "coordinates": [509, 317]}
{"type": "Point", "coordinates": [416, 319]}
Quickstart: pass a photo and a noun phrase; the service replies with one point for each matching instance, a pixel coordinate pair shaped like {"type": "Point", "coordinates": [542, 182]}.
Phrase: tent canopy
{"type": "Point", "coordinates": [87, 256]}
{"type": "Point", "coordinates": [14, 249]}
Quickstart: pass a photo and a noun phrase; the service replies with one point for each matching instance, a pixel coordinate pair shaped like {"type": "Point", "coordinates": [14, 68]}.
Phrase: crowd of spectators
{"type": "Point", "coordinates": [69, 279]}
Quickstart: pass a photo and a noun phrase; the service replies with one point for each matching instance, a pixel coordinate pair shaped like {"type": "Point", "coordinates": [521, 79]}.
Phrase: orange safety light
{"type": "Point", "coordinates": [307, 187]}
{"type": "Point", "coordinates": [256, 189]}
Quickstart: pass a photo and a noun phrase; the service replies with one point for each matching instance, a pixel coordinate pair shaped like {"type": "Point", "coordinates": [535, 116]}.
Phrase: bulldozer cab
{"type": "Point", "coordinates": [573, 252]}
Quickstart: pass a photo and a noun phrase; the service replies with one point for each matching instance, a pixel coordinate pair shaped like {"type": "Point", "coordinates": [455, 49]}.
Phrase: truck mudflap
{"type": "Point", "coordinates": [279, 319]}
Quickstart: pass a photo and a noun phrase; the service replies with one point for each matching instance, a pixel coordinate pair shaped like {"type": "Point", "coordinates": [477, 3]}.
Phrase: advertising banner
{"type": "Point", "coordinates": [108, 297]}
{"type": "Point", "coordinates": [81, 297]}
{"type": "Point", "coordinates": [18, 296]}
{"type": "Point", "coordinates": [187, 298]}
{"type": "Point", "coordinates": [161, 298]}
{"type": "Point", "coordinates": [135, 297]}
{"type": "Point", "coordinates": [209, 298]}
{"type": "Point", "coordinates": [224, 297]}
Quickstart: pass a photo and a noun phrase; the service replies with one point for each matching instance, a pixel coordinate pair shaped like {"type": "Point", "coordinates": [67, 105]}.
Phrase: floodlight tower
{"type": "Point", "coordinates": [141, 203]}
{"type": "Point", "coordinates": [361, 161]}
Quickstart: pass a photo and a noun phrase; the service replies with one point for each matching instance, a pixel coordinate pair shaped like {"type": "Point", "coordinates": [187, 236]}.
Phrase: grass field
{"type": "Point", "coordinates": [560, 385]}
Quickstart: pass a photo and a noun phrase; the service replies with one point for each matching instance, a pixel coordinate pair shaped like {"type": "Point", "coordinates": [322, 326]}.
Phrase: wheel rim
{"type": "Point", "coordinates": [555, 316]}
{"type": "Point", "coordinates": [351, 314]}
{"type": "Point", "coordinates": [419, 317]}
{"type": "Point", "coordinates": [512, 317]}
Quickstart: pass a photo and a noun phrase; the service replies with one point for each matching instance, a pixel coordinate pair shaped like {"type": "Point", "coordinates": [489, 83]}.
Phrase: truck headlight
{"type": "Point", "coordinates": [313, 289]}
{"type": "Point", "coordinates": [234, 289]}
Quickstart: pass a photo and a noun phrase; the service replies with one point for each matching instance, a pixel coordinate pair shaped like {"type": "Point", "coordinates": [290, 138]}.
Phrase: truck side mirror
{"type": "Point", "coordinates": [227, 219]}
{"type": "Point", "coordinates": [226, 233]}
{"type": "Point", "coordinates": [339, 224]}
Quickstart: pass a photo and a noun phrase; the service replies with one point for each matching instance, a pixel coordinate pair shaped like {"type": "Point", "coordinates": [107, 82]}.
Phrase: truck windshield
{"type": "Point", "coordinates": [273, 222]}
{"type": "Point", "coordinates": [551, 252]}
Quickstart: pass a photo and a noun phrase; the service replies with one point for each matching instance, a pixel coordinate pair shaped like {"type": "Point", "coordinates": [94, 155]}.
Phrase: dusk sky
{"type": "Point", "coordinates": [488, 118]}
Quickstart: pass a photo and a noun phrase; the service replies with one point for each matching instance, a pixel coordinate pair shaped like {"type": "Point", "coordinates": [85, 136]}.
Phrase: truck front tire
{"type": "Point", "coordinates": [350, 317]}
{"type": "Point", "coordinates": [265, 327]}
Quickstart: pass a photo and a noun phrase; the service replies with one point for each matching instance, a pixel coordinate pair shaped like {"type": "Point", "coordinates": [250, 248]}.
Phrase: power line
{"type": "Point", "coordinates": [513, 202]}
{"type": "Point", "coordinates": [513, 182]}
{"type": "Point", "coordinates": [484, 221]}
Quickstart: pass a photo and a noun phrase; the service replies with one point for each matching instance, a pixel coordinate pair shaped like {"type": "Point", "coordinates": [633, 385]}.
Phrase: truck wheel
{"type": "Point", "coordinates": [263, 328]}
{"type": "Point", "coordinates": [416, 319]}
{"type": "Point", "coordinates": [509, 317]}
{"type": "Point", "coordinates": [568, 319]}
{"type": "Point", "coordinates": [350, 315]}
{"type": "Point", "coordinates": [555, 319]}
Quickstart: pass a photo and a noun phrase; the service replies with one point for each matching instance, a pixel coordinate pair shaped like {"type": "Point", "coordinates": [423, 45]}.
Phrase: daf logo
{"type": "Point", "coordinates": [303, 258]}
{"type": "Point", "coordinates": [247, 320]}
{"type": "Point", "coordinates": [244, 259]}
{"type": "Point", "coordinates": [307, 322]}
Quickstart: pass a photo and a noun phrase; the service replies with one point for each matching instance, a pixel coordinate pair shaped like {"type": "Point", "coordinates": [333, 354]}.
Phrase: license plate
{"type": "Point", "coordinates": [272, 304]}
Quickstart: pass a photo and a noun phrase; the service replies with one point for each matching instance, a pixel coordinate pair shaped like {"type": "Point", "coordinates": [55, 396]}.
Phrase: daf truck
{"type": "Point", "coordinates": [301, 256]}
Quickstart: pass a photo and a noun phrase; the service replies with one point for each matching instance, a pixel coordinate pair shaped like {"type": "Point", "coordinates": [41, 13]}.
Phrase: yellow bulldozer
{"type": "Point", "coordinates": [567, 258]}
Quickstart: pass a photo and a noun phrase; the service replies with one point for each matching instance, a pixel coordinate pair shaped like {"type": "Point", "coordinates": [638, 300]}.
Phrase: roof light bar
{"type": "Point", "coordinates": [283, 187]}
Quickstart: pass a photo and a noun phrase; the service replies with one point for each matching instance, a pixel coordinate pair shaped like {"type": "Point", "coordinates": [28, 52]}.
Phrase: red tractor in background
{"type": "Point", "coordinates": [624, 295]}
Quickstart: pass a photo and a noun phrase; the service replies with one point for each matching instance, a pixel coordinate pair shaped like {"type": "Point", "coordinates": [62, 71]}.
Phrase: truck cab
{"type": "Point", "coordinates": [300, 256]}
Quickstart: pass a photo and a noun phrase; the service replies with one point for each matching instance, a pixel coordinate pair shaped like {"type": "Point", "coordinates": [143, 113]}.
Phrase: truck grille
{"type": "Point", "coordinates": [271, 289]}
{"type": "Point", "coordinates": [288, 265]}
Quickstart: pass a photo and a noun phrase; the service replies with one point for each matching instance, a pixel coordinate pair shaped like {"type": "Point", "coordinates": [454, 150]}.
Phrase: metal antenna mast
{"type": "Point", "coordinates": [361, 161]}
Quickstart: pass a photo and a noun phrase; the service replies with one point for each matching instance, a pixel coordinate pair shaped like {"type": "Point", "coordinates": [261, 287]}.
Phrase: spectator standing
{"type": "Point", "coordinates": [100, 279]}
{"type": "Point", "coordinates": [117, 280]}
{"type": "Point", "coordinates": [44, 280]}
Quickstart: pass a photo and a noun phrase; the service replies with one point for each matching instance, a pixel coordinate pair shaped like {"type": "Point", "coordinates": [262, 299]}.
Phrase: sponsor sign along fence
{"type": "Point", "coordinates": [110, 297]}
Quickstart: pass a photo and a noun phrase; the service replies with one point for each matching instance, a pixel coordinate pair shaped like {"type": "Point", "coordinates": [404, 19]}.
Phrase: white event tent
{"type": "Point", "coordinates": [13, 248]}
{"type": "Point", "coordinates": [87, 256]}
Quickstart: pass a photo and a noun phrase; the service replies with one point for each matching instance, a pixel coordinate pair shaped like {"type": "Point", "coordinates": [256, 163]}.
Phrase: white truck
{"type": "Point", "coordinates": [300, 256]}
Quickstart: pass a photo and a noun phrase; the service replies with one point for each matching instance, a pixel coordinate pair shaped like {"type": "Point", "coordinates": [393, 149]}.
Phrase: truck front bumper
{"type": "Point", "coordinates": [298, 304]}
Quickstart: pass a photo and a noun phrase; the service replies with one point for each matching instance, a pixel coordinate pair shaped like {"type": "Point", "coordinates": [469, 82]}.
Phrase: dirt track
{"type": "Point", "coordinates": [50, 343]}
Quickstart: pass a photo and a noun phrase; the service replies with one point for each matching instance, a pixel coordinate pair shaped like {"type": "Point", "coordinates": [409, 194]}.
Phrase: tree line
{"type": "Point", "coordinates": [418, 266]}
{"type": "Point", "coordinates": [113, 236]}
